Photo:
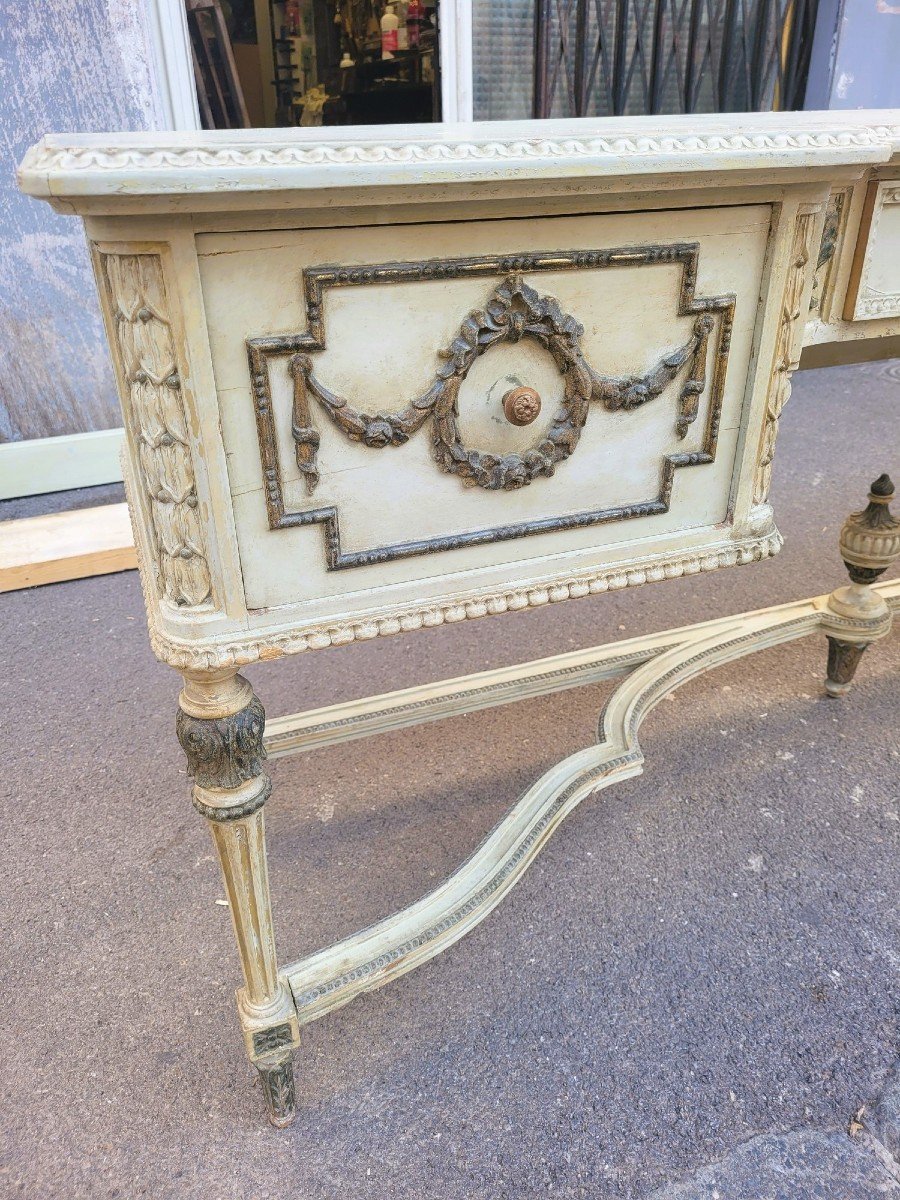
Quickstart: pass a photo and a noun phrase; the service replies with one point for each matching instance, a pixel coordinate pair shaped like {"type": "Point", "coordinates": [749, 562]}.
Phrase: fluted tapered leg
{"type": "Point", "coordinates": [220, 726]}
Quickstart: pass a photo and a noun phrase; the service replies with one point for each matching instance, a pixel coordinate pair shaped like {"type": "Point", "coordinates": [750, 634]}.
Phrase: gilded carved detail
{"type": "Point", "coordinates": [513, 310]}
{"type": "Point", "coordinates": [835, 213]}
{"type": "Point", "coordinates": [145, 348]}
{"type": "Point", "coordinates": [267, 1041]}
{"type": "Point", "coordinates": [787, 348]}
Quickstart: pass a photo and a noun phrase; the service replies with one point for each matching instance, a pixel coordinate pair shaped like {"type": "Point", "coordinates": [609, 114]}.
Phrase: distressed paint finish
{"type": "Point", "coordinates": [82, 67]}
{"type": "Point", "coordinates": [191, 298]}
{"type": "Point", "coordinates": [146, 359]}
{"type": "Point", "coordinates": [220, 726]}
{"type": "Point", "coordinates": [869, 543]}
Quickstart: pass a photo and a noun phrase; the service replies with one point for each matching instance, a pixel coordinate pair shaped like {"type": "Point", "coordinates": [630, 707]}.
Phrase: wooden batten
{"type": "Point", "coordinates": [63, 546]}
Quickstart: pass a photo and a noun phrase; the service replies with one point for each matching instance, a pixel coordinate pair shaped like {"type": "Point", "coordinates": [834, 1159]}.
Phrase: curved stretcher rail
{"type": "Point", "coordinates": [334, 976]}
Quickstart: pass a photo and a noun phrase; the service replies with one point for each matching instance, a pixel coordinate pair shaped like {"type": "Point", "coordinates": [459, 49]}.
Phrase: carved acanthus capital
{"type": "Point", "coordinates": [224, 752]}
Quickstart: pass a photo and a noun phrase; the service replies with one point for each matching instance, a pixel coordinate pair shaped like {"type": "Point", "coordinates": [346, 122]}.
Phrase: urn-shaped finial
{"type": "Point", "coordinates": [870, 540]}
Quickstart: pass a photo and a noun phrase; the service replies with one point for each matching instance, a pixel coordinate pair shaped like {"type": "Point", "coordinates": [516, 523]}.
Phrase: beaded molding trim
{"type": "Point", "coordinates": [340, 633]}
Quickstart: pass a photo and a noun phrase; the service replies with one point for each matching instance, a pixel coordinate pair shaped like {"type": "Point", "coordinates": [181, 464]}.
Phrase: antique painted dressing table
{"type": "Point", "coordinates": [379, 380]}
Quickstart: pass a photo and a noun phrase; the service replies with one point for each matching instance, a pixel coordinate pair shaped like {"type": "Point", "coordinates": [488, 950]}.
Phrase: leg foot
{"type": "Point", "coordinates": [277, 1078]}
{"type": "Point", "coordinates": [843, 659]}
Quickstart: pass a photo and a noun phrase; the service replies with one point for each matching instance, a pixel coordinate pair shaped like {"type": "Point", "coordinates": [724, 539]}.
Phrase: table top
{"type": "Point", "coordinates": [249, 167]}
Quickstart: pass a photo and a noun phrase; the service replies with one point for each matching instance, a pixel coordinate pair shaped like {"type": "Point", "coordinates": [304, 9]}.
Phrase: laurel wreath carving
{"type": "Point", "coordinates": [513, 311]}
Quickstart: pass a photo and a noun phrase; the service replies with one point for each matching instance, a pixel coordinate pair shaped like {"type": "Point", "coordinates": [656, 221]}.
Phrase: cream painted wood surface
{"type": "Point", "coordinates": [225, 587]}
{"type": "Point", "coordinates": [383, 345]}
{"type": "Point", "coordinates": [860, 249]}
{"type": "Point", "coordinates": [266, 168]}
{"type": "Point", "coordinates": [313, 340]}
{"type": "Point", "coordinates": [874, 289]}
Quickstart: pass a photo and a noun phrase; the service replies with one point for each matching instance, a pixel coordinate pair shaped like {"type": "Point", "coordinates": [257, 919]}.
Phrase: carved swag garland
{"type": "Point", "coordinates": [513, 311]}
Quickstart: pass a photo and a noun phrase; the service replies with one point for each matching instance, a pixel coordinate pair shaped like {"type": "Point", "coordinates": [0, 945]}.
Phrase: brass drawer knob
{"type": "Point", "coordinates": [521, 405]}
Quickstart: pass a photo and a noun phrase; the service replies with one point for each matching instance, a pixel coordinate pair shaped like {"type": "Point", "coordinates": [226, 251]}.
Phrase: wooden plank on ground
{"type": "Point", "coordinates": [67, 545]}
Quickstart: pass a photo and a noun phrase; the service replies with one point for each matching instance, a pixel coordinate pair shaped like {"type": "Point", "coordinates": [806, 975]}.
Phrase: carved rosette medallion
{"type": "Point", "coordinates": [154, 408]}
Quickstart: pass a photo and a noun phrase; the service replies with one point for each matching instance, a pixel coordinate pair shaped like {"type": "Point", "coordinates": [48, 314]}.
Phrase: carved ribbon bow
{"type": "Point", "coordinates": [513, 311]}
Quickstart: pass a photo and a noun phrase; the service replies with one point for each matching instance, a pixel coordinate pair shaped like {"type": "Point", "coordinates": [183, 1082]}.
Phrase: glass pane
{"type": "Point", "coordinates": [564, 58]}
{"type": "Point", "coordinates": [315, 62]}
{"type": "Point", "coordinates": [502, 58]}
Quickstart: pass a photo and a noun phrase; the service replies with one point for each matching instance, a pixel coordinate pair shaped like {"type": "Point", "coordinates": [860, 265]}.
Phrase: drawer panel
{"type": "Point", "coordinates": [361, 376]}
{"type": "Point", "coordinates": [874, 287]}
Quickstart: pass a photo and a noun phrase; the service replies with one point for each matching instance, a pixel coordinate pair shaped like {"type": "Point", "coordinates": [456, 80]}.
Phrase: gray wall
{"type": "Point", "coordinates": [65, 66]}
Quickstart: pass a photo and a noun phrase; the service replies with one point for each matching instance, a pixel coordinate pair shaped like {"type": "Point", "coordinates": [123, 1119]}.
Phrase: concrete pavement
{"type": "Point", "coordinates": [688, 996]}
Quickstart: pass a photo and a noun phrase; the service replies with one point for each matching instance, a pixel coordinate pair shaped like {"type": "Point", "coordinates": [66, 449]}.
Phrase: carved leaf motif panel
{"type": "Point", "coordinates": [155, 411]}
{"type": "Point", "coordinates": [787, 348]}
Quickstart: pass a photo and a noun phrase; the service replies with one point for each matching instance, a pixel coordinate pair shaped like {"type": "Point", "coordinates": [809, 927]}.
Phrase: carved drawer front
{"type": "Point", "coordinates": [874, 288]}
{"type": "Point", "coordinates": [416, 412]}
